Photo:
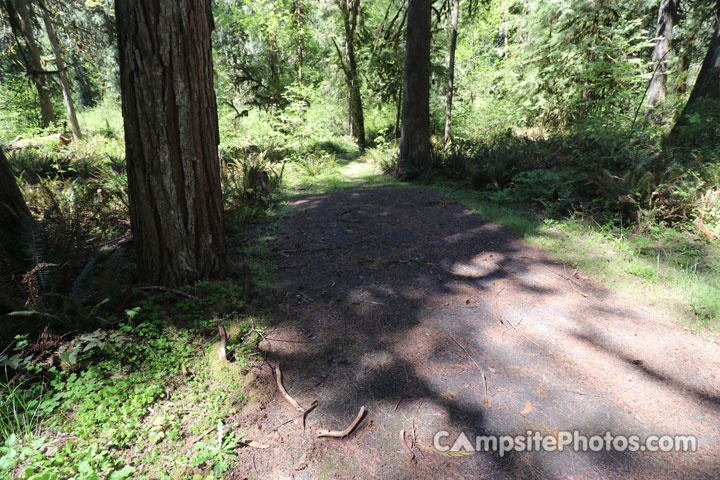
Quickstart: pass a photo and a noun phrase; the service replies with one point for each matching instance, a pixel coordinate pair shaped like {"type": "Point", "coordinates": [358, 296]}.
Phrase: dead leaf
{"type": "Point", "coordinates": [528, 408]}
{"type": "Point", "coordinates": [255, 444]}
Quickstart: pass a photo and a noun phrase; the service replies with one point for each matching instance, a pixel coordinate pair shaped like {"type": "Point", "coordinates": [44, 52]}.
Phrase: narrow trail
{"type": "Point", "coordinates": [401, 301]}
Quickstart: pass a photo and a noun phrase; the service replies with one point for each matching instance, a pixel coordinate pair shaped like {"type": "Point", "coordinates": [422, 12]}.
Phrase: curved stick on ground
{"type": "Point", "coordinates": [306, 411]}
{"type": "Point", "coordinates": [405, 447]}
{"type": "Point", "coordinates": [291, 400]}
{"type": "Point", "coordinates": [347, 431]}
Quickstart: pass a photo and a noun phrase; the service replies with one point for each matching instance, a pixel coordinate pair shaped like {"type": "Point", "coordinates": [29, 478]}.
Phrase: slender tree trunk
{"type": "Point", "coordinates": [398, 112]}
{"type": "Point", "coordinates": [415, 152]}
{"type": "Point", "coordinates": [663, 36]}
{"type": "Point", "coordinates": [171, 135]}
{"type": "Point", "coordinates": [14, 215]}
{"type": "Point", "coordinates": [451, 71]}
{"type": "Point", "coordinates": [300, 41]}
{"type": "Point", "coordinates": [21, 24]}
{"type": "Point", "coordinates": [705, 96]}
{"type": "Point", "coordinates": [350, 10]}
{"type": "Point", "coordinates": [60, 63]}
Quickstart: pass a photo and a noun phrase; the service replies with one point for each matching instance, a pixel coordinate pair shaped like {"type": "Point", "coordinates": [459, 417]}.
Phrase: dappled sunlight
{"type": "Point", "coordinates": [487, 337]}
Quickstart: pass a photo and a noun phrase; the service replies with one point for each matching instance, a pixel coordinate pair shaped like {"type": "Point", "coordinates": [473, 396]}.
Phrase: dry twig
{"type": "Point", "coordinates": [306, 411]}
{"type": "Point", "coordinates": [347, 431]}
{"type": "Point", "coordinates": [482, 372]}
{"type": "Point", "coordinates": [291, 400]}
{"type": "Point", "coordinates": [405, 447]}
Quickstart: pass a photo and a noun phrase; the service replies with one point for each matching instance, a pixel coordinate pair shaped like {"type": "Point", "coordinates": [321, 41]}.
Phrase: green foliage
{"type": "Point", "coordinates": [19, 107]}
{"type": "Point", "coordinates": [217, 452]}
{"type": "Point", "coordinates": [248, 179]}
{"type": "Point", "coordinates": [122, 399]}
{"type": "Point", "coordinates": [383, 155]}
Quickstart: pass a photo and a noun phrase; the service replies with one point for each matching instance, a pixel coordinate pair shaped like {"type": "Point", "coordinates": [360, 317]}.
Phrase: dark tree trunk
{"type": "Point", "coordinates": [14, 215]}
{"type": "Point", "coordinates": [350, 10]}
{"type": "Point", "coordinates": [21, 24]}
{"type": "Point", "coordinates": [663, 36]}
{"type": "Point", "coordinates": [60, 63]}
{"type": "Point", "coordinates": [171, 135]}
{"type": "Point", "coordinates": [415, 152]}
{"type": "Point", "coordinates": [707, 84]}
{"type": "Point", "coordinates": [451, 71]}
{"type": "Point", "coordinates": [705, 96]}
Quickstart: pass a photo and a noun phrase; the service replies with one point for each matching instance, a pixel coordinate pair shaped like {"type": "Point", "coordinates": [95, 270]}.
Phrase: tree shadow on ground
{"type": "Point", "coordinates": [432, 318]}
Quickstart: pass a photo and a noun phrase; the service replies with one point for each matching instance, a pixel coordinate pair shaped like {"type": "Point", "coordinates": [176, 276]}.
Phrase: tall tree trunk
{"type": "Point", "coordinates": [663, 36]}
{"type": "Point", "coordinates": [300, 40]}
{"type": "Point", "coordinates": [14, 216]}
{"type": "Point", "coordinates": [415, 152]}
{"type": "Point", "coordinates": [451, 71]}
{"type": "Point", "coordinates": [171, 135]}
{"type": "Point", "coordinates": [350, 10]}
{"type": "Point", "coordinates": [705, 96]}
{"type": "Point", "coordinates": [684, 64]}
{"type": "Point", "coordinates": [21, 25]}
{"type": "Point", "coordinates": [60, 63]}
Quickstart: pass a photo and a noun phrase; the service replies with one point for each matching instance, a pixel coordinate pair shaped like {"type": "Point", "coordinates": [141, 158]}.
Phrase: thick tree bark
{"type": "Point", "coordinates": [171, 135]}
{"type": "Point", "coordinates": [350, 10]}
{"type": "Point", "coordinates": [663, 37]}
{"type": "Point", "coordinates": [415, 152]}
{"type": "Point", "coordinates": [60, 63]}
{"type": "Point", "coordinates": [705, 96]}
{"type": "Point", "coordinates": [14, 215]}
{"type": "Point", "coordinates": [707, 84]}
{"type": "Point", "coordinates": [21, 25]}
{"type": "Point", "coordinates": [451, 71]}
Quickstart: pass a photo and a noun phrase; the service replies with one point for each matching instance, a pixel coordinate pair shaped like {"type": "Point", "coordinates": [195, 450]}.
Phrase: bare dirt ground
{"type": "Point", "coordinates": [433, 319]}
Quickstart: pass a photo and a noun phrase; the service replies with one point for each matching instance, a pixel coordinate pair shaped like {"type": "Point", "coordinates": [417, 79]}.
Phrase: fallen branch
{"type": "Point", "coordinates": [166, 289]}
{"type": "Point", "coordinates": [405, 447]}
{"type": "Point", "coordinates": [222, 351]}
{"type": "Point", "coordinates": [306, 411]}
{"type": "Point", "coordinates": [347, 431]}
{"type": "Point", "coordinates": [291, 400]}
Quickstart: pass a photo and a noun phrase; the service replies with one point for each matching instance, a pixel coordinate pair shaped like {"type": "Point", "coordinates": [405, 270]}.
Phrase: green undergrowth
{"type": "Point", "coordinates": [352, 169]}
{"type": "Point", "coordinates": [145, 399]}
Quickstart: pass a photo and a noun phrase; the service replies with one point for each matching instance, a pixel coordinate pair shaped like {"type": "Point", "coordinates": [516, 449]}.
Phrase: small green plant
{"type": "Point", "coordinates": [217, 453]}
{"type": "Point", "coordinates": [249, 179]}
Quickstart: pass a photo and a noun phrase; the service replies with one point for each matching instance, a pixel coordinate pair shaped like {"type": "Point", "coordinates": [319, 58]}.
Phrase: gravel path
{"type": "Point", "coordinates": [401, 301]}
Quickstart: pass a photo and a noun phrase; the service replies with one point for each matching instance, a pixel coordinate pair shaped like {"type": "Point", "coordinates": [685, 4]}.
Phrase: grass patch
{"type": "Point", "coordinates": [671, 270]}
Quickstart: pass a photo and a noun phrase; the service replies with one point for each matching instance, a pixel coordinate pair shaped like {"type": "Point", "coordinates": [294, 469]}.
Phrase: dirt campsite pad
{"type": "Point", "coordinates": [433, 319]}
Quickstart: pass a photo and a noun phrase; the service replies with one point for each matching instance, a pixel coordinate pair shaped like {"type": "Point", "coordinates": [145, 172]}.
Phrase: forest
{"type": "Point", "coordinates": [229, 229]}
